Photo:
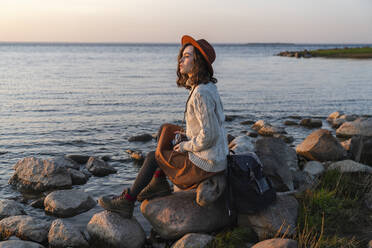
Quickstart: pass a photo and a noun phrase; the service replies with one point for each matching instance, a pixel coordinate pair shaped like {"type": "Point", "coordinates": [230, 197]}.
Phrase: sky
{"type": "Point", "coordinates": [165, 21]}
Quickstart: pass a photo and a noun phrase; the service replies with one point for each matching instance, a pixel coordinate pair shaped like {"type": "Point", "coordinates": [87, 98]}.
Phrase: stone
{"type": "Point", "coordinates": [348, 117]}
{"type": "Point", "coordinates": [98, 167]}
{"type": "Point", "coordinates": [33, 174]}
{"type": "Point", "coordinates": [279, 160]}
{"type": "Point", "coordinates": [337, 123]}
{"type": "Point", "coordinates": [285, 138]}
{"type": "Point", "coordinates": [290, 123]}
{"type": "Point", "coordinates": [252, 134]}
{"type": "Point", "coordinates": [259, 124]}
{"type": "Point", "coordinates": [360, 126]}
{"type": "Point", "coordinates": [361, 149]}
{"type": "Point", "coordinates": [276, 243]}
{"type": "Point", "coordinates": [346, 144]}
{"type": "Point", "coordinates": [314, 168]}
{"type": "Point", "coordinates": [248, 122]}
{"type": "Point", "coordinates": [80, 159]}
{"type": "Point", "coordinates": [194, 240]}
{"type": "Point", "coordinates": [110, 229]}
{"type": "Point", "coordinates": [241, 145]}
{"type": "Point", "coordinates": [303, 181]}
{"type": "Point", "coordinates": [64, 234]}
{"type": "Point", "coordinates": [67, 203]}
{"type": "Point", "coordinates": [38, 203]}
{"type": "Point", "coordinates": [64, 161]}
{"type": "Point", "coordinates": [77, 176]}
{"type": "Point", "coordinates": [210, 189]}
{"type": "Point", "coordinates": [142, 137]}
{"type": "Point", "coordinates": [10, 208]}
{"type": "Point", "coordinates": [320, 145]}
{"type": "Point", "coordinates": [25, 227]}
{"type": "Point", "coordinates": [350, 166]}
{"type": "Point", "coordinates": [268, 130]}
{"type": "Point", "coordinates": [368, 200]}
{"type": "Point", "coordinates": [279, 218]}
{"type": "Point", "coordinates": [178, 214]}
{"type": "Point", "coordinates": [19, 244]}
{"type": "Point", "coordinates": [334, 116]}
{"type": "Point", "coordinates": [311, 123]}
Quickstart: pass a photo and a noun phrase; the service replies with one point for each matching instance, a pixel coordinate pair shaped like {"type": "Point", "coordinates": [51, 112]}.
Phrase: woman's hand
{"type": "Point", "coordinates": [177, 148]}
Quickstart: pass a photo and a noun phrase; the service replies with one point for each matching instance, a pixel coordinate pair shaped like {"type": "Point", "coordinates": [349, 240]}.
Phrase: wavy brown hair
{"type": "Point", "coordinates": [200, 72]}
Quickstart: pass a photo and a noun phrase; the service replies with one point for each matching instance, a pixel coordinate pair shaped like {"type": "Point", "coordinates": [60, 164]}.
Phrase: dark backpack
{"type": "Point", "coordinates": [249, 191]}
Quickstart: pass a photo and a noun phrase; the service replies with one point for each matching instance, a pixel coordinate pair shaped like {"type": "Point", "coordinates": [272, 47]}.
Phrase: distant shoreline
{"type": "Point", "coordinates": [346, 52]}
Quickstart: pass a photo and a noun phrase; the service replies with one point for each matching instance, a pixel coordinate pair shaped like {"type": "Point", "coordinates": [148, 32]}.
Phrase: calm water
{"type": "Point", "coordinates": [89, 98]}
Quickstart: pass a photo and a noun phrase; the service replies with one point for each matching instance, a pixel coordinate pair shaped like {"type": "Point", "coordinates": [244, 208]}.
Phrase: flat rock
{"type": "Point", "coordinates": [248, 122]}
{"type": "Point", "coordinates": [279, 160]}
{"type": "Point", "coordinates": [142, 137]}
{"type": "Point", "coordinates": [284, 137]}
{"type": "Point", "coordinates": [268, 130]}
{"type": "Point", "coordinates": [311, 123]}
{"type": "Point", "coordinates": [64, 161]}
{"type": "Point", "coordinates": [350, 166]}
{"type": "Point", "coordinates": [334, 116]}
{"type": "Point", "coordinates": [66, 203]}
{"type": "Point", "coordinates": [290, 123]}
{"type": "Point", "coordinates": [77, 176]}
{"type": "Point", "coordinates": [64, 234]}
{"type": "Point", "coordinates": [178, 214]}
{"type": "Point", "coordinates": [320, 145]}
{"type": "Point", "coordinates": [19, 244]}
{"type": "Point", "coordinates": [80, 159]}
{"type": "Point", "coordinates": [358, 127]}
{"type": "Point", "coordinates": [10, 208]}
{"type": "Point", "coordinates": [33, 174]}
{"type": "Point", "coordinates": [25, 227]}
{"type": "Point", "coordinates": [314, 168]}
{"type": "Point", "coordinates": [111, 230]}
{"type": "Point", "coordinates": [241, 145]}
{"type": "Point", "coordinates": [194, 240]}
{"type": "Point", "coordinates": [361, 149]}
{"type": "Point", "coordinates": [276, 243]}
{"type": "Point", "coordinates": [99, 167]}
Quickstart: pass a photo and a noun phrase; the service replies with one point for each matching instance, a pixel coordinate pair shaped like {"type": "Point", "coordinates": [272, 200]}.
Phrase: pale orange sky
{"type": "Point", "coordinates": [236, 21]}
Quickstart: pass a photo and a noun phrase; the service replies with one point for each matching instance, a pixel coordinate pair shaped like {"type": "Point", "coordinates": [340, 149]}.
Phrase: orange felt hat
{"type": "Point", "coordinates": [204, 47]}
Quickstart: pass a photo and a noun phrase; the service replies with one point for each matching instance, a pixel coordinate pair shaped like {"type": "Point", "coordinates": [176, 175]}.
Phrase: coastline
{"type": "Point", "coordinates": [346, 52]}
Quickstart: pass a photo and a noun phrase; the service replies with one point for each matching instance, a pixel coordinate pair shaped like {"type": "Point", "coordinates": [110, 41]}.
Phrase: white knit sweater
{"type": "Point", "coordinates": [207, 138]}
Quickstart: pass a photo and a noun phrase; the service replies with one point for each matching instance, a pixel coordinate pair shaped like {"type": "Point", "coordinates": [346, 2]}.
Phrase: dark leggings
{"type": "Point", "coordinates": [145, 174]}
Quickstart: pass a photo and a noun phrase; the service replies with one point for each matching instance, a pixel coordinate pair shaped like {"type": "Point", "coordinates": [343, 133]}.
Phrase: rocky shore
{"type": "Point", "coordinates": [324, 196]}
{"type": "Point", "coordinates": [356, 53]}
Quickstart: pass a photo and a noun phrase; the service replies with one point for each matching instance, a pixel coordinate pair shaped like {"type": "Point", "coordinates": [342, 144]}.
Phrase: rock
{"type": "Point", "coordinates": [77, 176]}
{"type": "Point", "coordinates": [64, 161]}
{"type": "Point", "coordinates": [311, 123]}
{"type": "Point", "coordinates": [33, 174]}
{"type": "Point", "coordinates": [348, 117]}
{"type": "Point", "coordinates": [350, 166]}
{"type": "Point", "coordinates": [67, 203]}
{"type": "Point", "coordinates": [98, 167]}
{"type": "Point", "coordinates": [80, 159]}
{"type": "Point", "coordinates": [230, 138]}
{"type": "Point", "coordinates": [368, 200]}
{"type": "Point", "coordinates": [346, 144]}
{"type": "Point", "coordinates": [303, 181]}
{"type": "Point", "coordinates": [178, 214]}
{"type": "Point", "coordinates": [63, 234]}
{"type": "Point", "coordinates": [259, 124]}
{"type": "Point", "coordinates": [334, 116]}
{"type": "Point", "coordinates": [109, 229]}
{"type": "Point", "coordinates": [25, 227]}
{"type": "Point", "coordinates": [358, 127]}
{"type": "Point", "coordinates": [278, 160]}
{"type": "Point", "coordinates": [241, 145]}
{"type": "Point", "coordinates": [361, 149]}
{"type": "Point", "coordinates": [19, 244]}
{"type": "Point", "coordinates": [314, 168]}
{"type": "Point", "coordinates": [142, 137]}
{"type": "Point", "coordinates": [210, 190]}
{"type": "Point", "coordinates": [195, 240]}
{"type": "Point", "coordinates": [248, 122]}
{"type": "Point", "coordinates": [290, 123]}
{"type": "Point", "coordinates": [269, 130]}
{"type": "Point", "coordinates": [282, 215]}
{"type": "Point", "coordinates": [10, 208]}
{"type": "Point", "coordinates": [38, 203]}
{"type": "Point", "coordinates": [229, 118]}
{"type": "Point", "coordinates": [320, 145]}
{"type": "Point", "coordinates": [276, 243]}
{"type": "Point", "coordinates": [252, 134]}
{"type": "Point", "coordinates": [296, 117]}
{"type": "Point", "coordinates": [337, 123]}
{"type": "Point", "coordinates": [370, 244]}
{"type": "Point", "coordinates": [285, 138]}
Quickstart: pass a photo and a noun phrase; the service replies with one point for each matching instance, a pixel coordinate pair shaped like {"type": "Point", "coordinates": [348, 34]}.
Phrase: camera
{"type": "Point", "coordinates": [178, 138]}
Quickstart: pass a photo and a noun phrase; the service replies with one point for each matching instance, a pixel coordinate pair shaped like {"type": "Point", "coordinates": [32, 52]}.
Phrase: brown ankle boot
{"type": "Point", "coordinates": [157, 187]}
{"type": "Point", "coordinates": [118, 204]}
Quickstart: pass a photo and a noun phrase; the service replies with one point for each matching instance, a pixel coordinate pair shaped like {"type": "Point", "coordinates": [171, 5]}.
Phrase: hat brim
{"type": "Point", "coordinates": [189, 40]}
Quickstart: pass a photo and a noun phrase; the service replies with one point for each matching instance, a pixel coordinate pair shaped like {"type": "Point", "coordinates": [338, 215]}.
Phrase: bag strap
{"type": "Point", "coordinates": [184, 113]}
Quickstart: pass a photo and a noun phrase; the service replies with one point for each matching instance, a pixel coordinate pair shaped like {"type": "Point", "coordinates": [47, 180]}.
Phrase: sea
{"type": "Point", "coordinates": [88, 99]}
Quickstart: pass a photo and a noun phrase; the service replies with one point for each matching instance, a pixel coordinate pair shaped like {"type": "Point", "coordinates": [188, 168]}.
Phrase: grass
{"type": "Point", "coordinates": [357, 52]}
{"type": "Point", "coordinates": [233, 238]}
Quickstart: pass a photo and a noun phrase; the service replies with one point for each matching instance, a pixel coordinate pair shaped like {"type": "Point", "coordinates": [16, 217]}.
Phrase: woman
{"type": "Point", "coordinates": [203, 155]}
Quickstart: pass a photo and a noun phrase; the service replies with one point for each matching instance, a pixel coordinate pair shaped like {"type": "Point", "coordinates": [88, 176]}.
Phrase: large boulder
{"type": "Point", "coordinates": [10, 208]}
{"type": "Point", "coordinates": [66, 203]}
{"type": "Point", "coordinates": [63, 234]}
{"type": "Point", "coordinates": [241, 145]}
{"type": "Point", "coordinates": [111, 230]}
{"type": "Point", "coordinates": [19, 244]}
{"type": "Point", "coordinates": [194, 240]}
{"type": "Point", "coordinates": [320, 145]}
{"type": "Point", "coordinates": [33, 174]}
{"type": "Point", "coordinates": [178, 214]}
{"type": "Point", "coordinates": [278, 218]}
{"type": "Point", "coordinates": [77, 177]}
{"type": "Point", "coordinates": [25, 227]}
{"type": "Point", "coordinates": [358, 127]}
{"type": "Point", "coordinates": [99, 167]}
{"type": "Point", "coordinates": [350, 166]}
{"type": "Point", "coordinates": [361, 149]}
{"type": "Point", "coordinates": [279, 160]}
{"type": "Point", "coordinates": [276, 243]}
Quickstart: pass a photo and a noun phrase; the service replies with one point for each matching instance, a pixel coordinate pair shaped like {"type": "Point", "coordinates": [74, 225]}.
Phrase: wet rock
{"type": "Point", "coordinates": [290, 123]}
{"type": "Point", "coordinates": [334, 116]}
{"type": "Point", "coordinates": [361, 149]}
{"type": "Point", "coordinates": [196, 240]}
{"type": "Point", "coordinates": [276, 243]}
{"type": "Point", "coordinates": [64, 161]}
{"type": "Point", "coordinates": [279, 218]}
{"type": "Point", "coordinates": [346, 144]}
{"type": "Point", "coordinates": [350, 166]}
{"type": "Point", "coordinates": [80, 159]}
{"type": "Point", "coordinates": [178, 214]}
{"type": "Point", "coordinates": [77, 176]}
{"type": "Point", "coordinates": [33, 174]}
{"type": "Point", "coordinates": [229, 118]}
{"type": "Point", "coordinates": [285, 138]}
{"type": "Point", "coordinates": [296, 117]}
{"type": "Point", "coordinates": [142, 137]}
{"type": "Point", "coordinates": [241, 145]}
{"type": "Point", "coordinates": [311, 123]}
{"type": "Point", "coordinates": [230, 138]}
{"type": "Point", "coordinates": [63, 234]}
{"type": "Point", "coordinates": [25, 227]}
{"type": "Point", "coordinates": [269, 130]}
{"type": "Point", "coordinates": [259, 124]}
{"type": "Point", "coordinates": [248, 122]}
{"type": "Point", "coordinates": [98, 167]}
{"type": "Point", "coordinates": [66, 203]}
{"type": "Point", "coordinates": [337, 123]}
{"type": "Point", "coordinates": [314, 168]}
{"type": "Point", "coordinates": [368, 200]}
{"type": "Point", "coordinates": [38, 203]}
{"type": "Point", "coordinates": [279, 160]}
{"type": "Point", "coordinates": [320, 145]}
{"type": "Point", "coordinates": [19, 244]}
{"type": "Point", "coordinates": [361, 127]}
{"type": "Point", "coordinates": [252, 134]}
{"type": "Point", "coordinates": [109, 229]}
{"type": "Point", "coordinates": [10, 208]}
{"type": "Point", "coordinates": [349, 117]}
{"type": "Point", "coordinates": [303, 181]}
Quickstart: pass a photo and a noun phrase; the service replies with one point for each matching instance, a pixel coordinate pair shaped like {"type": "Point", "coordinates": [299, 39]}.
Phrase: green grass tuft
{"type": "Point", "coordinates": [234, 238]}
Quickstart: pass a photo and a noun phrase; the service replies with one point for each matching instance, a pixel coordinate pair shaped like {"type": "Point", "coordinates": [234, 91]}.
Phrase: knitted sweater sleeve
{"type": "Point", "coordinates": [204, 106]}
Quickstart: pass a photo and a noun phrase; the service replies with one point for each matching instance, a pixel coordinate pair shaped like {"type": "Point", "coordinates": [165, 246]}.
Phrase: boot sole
{"type": "Point", "coordinates": [153, 195]}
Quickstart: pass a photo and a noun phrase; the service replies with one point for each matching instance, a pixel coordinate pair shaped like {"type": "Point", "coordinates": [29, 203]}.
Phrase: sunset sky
{"type": "Point", "coordinates": [235, 21]}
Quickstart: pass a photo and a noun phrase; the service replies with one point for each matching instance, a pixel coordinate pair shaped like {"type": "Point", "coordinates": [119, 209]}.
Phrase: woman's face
{"type": "Point", "coordinates": [186, 62]}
